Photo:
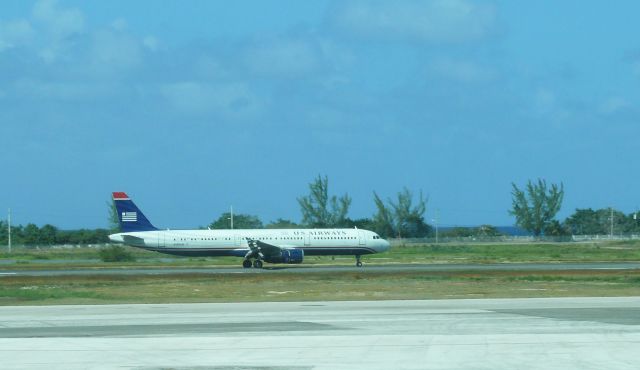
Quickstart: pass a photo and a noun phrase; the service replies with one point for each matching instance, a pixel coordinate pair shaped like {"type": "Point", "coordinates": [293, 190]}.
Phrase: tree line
{"type": "Point", "coordinates": [402, 216]}
{"type": "Point", "coordinates": [32, 235]}
{"type": "Point", "coordinates": [534, 207]}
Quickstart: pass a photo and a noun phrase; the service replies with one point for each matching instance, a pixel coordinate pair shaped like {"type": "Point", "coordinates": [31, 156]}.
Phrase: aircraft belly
{"type": "Point", "coordinates": [337, 251]}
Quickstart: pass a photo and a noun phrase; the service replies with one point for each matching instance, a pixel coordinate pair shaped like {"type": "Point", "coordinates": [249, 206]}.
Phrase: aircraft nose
{"type": "Point", "coordinates": [384, 245]}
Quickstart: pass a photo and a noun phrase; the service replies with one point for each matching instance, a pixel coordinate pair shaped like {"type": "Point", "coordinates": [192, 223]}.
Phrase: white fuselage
{"type": "Point", "coordinates": [234, 242]}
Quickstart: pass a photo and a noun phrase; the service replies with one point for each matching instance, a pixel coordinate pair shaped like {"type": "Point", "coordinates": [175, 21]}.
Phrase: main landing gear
{"type": "Point", "coordinates": [358, 261]}
{"type": "Point", "coordinates": [247, 264]}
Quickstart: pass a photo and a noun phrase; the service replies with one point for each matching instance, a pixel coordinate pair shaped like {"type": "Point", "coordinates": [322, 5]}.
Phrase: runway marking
{"type": "Point", "coordinates": [8, 273]}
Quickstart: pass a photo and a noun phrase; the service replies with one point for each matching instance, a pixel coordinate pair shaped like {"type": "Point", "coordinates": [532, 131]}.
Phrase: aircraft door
{"type": "Point", "coordinates": [361, 238]}
{"type": "Point", "coordinates": [307, 239]}
{"type": "Point", "coordinates": [161, 239]}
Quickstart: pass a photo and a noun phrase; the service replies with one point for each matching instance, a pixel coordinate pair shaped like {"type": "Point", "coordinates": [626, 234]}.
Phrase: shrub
{"type": "Point", "coordinates": [115, 253]}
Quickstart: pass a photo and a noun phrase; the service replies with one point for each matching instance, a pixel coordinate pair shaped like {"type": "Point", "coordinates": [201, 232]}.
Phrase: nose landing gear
{"type": "Point", "coordinates": [358, 261]}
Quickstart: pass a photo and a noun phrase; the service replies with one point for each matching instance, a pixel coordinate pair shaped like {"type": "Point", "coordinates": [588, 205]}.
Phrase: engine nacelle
{"type": "Point", "coordinates": [287, 256]}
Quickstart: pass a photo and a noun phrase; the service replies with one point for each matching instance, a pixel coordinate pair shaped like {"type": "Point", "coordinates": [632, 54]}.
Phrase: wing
{"type": "Point", "coordinates": [264, 250]}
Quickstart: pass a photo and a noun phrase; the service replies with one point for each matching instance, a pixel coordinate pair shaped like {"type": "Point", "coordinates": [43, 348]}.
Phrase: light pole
{"type": "Point", "coordinates": [9, 229]}
{"type": "Point", "coordinates": [611, 223]}
{"type": "Point", "coordinates": [435, 221]}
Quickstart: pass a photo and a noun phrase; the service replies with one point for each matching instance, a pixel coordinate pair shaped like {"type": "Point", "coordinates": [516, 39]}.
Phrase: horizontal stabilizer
{"type": "Point", "coordinates": [133, 240]}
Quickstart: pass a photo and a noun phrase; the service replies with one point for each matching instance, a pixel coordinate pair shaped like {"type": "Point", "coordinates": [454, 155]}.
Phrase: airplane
{"type": "Point", "coordinates": [288, 246]}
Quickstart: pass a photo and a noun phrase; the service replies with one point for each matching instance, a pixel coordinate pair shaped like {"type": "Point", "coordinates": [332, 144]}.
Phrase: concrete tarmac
{"type": "Point", "coordinates": [284, 269]}
{"type": "Point", "coordinates": [546, 333]}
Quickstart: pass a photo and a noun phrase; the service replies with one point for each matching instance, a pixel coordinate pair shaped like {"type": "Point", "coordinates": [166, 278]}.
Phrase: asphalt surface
{"type": "Point", "coordinates": [283, 269]}
{"type": "Point", "coordinates": [543, 333]}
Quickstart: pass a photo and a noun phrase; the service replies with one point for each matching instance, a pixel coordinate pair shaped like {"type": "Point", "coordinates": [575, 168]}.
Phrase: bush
{"type": "Point", "coordinates": [116, 253]}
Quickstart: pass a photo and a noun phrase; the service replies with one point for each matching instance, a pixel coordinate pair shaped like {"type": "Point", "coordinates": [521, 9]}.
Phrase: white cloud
{"type": "Point", "coordinates": [303, 56]}
{"type": "Point", "coordinates": [282, 58]}
{"type": "Point", "coordinates": [210, 68]}
{"type": "Point", "coordinates": [119, 24]}
{"type": "Point", "coordinates": [427, 20]}
{"type": "Point", "coordinates": [114, 50]}
{"type": "Point", "coordinates": [227, 99]}
{"type": "Point", "coordinates": [62, 90]}
{"type": "Point", "coordinates": [544, 100]}
{"type": "Point", "coordinates": [151, 43]}
{"type": "Point", "coordinates": [56, 29]}
{"type": "Point", "coordinates": [61, 23]}
{"type": "Point", "coordinates": [613, 105]}
{"type": "Point", "coordinates": [461, 71]}
{"type": "Point", "coordinates": [635, 68]}
{"type": "Point", "coordinates": [548, 104]}
{"type": "Point", "coordinates": [15, 33]}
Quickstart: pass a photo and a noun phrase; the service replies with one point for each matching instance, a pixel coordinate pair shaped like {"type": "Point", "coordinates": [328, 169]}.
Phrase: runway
{"type": "Point", "coordinates": [552, 333]}
{"type": "Point", "coordinates": [283, 269]}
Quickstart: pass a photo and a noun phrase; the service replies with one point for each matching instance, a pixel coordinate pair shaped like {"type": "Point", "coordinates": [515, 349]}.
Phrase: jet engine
{"type": "Point", "coordinates": [287, 256]}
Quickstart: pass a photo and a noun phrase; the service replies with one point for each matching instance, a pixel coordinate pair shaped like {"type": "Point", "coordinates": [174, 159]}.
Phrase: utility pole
{"type": "Point", "coordinates": [9, 229]}
{"type": "Point", "coordinates": [231, 218]}
{"type": "Point", "coordinates": [435, 221]}
{"type": "Point", "coordinates": [611, 224]}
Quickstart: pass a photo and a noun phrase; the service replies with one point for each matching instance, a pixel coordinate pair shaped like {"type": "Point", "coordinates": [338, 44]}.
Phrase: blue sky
{"type": "Point", "coordinates": [194, 106]}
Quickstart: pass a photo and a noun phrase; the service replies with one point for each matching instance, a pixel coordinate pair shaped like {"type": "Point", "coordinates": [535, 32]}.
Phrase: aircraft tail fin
{"type": "Point", "coordinates": [129, 215]}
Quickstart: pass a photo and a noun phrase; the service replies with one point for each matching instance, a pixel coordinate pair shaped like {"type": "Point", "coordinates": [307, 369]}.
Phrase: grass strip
{"type": "Point", "coordinates": [84, 257]}
{"type": "Point", "coordinates": [313, 286]}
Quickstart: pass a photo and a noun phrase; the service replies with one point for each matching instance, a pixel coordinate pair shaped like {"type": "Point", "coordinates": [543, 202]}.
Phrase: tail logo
{"type": "Point", "coordinates": [129, 216]}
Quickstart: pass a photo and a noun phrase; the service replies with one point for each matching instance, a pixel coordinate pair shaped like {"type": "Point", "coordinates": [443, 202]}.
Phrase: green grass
{"type": "Point", "coordinates": [311, 286]}
{"type": "Point", "coordinates": [319, 285]}
{"type": "Point", "coordinates": [51, 258]}
{"type": "Point", "coordinates": [525, 252]}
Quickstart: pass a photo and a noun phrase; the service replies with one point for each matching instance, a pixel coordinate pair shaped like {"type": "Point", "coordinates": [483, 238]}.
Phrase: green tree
{"type": "Point", "coordinates": [383, 223]}
{"type": "Point", "coordinates": [536, 206]}
{"type": "Point", "coordinates": [320, 210]}
{"type": "Point", "coordinates": [584, 222]}
{"type": "Point", "coordinates": [48, 235]}
{"type": "Point", "coordinates": [282, 224]}
{"type": "Point", "coordinates": [598, 222]}
{"type": "Point", "coordinates": [31, 235]}
{"type": "Point", "coordinates": [555, 228]}
{"type": "Point", "coordinates": [4, 235]}
{"type": "Point", "coordinates": [401, 218]}
{"type": "Point", "coordinates": [113, 221]}
{"type": "Point", "coordinates": [633, 223]}
{"type": "Point", "coordinates": [487, 230]}
{"type": "Point", "coordinates": [458, 232]}
{"type": "Point", "coordinates": [240, 221]}
{"type": "Point", "coordinates": [409, 219]}
{"type": "Point", "coordinates": [463, 232]}
{"type": "Point", "coordinates": [360, 223]}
